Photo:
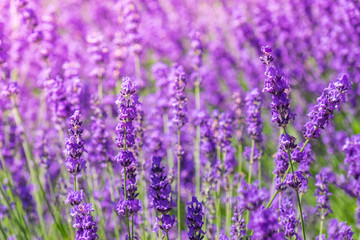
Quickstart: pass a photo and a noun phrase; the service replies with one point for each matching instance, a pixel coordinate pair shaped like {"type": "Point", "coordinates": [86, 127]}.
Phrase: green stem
{"type": "Point", "coordinates": [169, 152]}
{"type": "Point", "coordinates": [228, 208]}
{"type": "Point", "coordinates": [251, 160]}
{"type": "Point", "coordinates": [298, 197]}
{"type": "Point", "coordinates": [75, 181]}
{"type": "Point", "coordinates": [23, 230]}
{"type": "Point", "coordinates": [218, 201]}
{"type": "Point", "coordinates": [3, 231]}
{"type": "Point", "coordinates": [167, 235]}
{"type": "Point", "coordinates": [34, 172]}
{"type": "Point", "coordinates": [240, 159]}
{"type": "Point", "coordinates": [178, 188]}
{"type": "Point", "coordinates": [132, 227]}
{"type": "Point", "coordinates": [259, 172]}
{"type": "Point", "coordinates": [321, 228]}
{"type": "Point", "coordinates": [301, 216]}
{"type": "Point", "coordinates": [112, 190]}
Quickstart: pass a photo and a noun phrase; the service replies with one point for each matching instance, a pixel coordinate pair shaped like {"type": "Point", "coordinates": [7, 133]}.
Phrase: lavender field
{"type": "Point", "coordinates": [179, 119]}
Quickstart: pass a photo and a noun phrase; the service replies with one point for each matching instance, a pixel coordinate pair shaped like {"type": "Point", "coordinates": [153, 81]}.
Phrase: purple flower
{"type": "Point", "coordinates": [208, 141]}
{"type": "Point", "coordinates": [253, 104]}
{"type": "Point", "coordinates": [129, 20]}
{"type": "Point", "coordinates": [322, 194]}
{"type": "Point", "coordinates": [238, 228]}
{"type": "Point", "coordinates": [281, 165]}
{"type": "Point", "coordinates": [329, 100]}
{"type": "Point", "coordinates": [179, 99]}
{"type": "Point", "coordinates": [160, 189]}
{"type": "Point", "coordinates": [194, 219]}
{"type": "Point", "coordinates": [167, 223]}
{"type": "Point", "coordinates": [128, 207]}
{"type": "Point", "coordinates": [294, 180]}
{"type": "Point", "coordinates": [287, 142]}
{"type": "Point", "coordinates": [352, 150]}
{"type": "Point", "coordinates": [339, 231]}
{"type": "Point", "coordinates": [160, 72]}
{"type": "Point", "coordinates": [250, 196]}
{"type": "Point", "coordinates": [74, 145]}
{"type": "Point", "coordinates": [128, 103]}
{"type": "Point", "coordinates": [75, 197]}
{"type": "Point", "coordinates": [196, 50]}
{"type": "Point", "coordinates": [264, 224]}
{"type": "Point", "coordinates": [276, 84]}
{"type": "Point", "coordinates": [223, 237]}
{"type": "Point", "coordinates": [247, 154]}
{"type": "Point", "coordinates": [288, 218]}
{"type": "Point", "coordinates": [57, 99]}
{"type": "Point", "coordinates": [86, 226]}
{"type": "Point", "coordinates": [225, 132]}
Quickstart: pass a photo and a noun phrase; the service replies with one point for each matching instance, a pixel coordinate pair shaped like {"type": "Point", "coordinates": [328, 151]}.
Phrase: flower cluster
{"type": "Point", "coordinates": [253, 104]}
{"type": "Point", "coordinates": [250, 196]}
{"type": "Point", "coordinates": [74, 146]}
{"type": "Point", "coordinates": [160, 193]}
{"type": "Point", "coordinates": [194, 219]}
{"type": "Point", "coordinates": [339, 230]}
{"type": "Point", "coordinates": [322, 194]}
{"type": "Point", "coordinates": [127, 101]}
{"type": "Point", "coordinates": [84, 222]}
{"type": "Point", "coordinates": [179, 103]}
{"type": "Point", "coordinates": [288, 218]}
{"type": "Point", "coordinates": [323, 112]}
{"type": "Point", "coordinates": [276, 85]}
{"type": "Point", "coordinates": [196, 50]}
{"type": "Point", "coordinates": [238, 228]}
{"type": "Point", "coordinates": [264, 224]}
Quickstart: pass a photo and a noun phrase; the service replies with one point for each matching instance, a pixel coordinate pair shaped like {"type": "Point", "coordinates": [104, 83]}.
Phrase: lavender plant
{"type": "Point", "coordinates": [249, 148]}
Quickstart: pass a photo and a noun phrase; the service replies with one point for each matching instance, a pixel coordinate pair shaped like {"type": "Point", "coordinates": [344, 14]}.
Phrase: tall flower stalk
{"type": "Point", "coordinates": [196, 52]}
{"type": "Point", "coordinates": [127, 102]}
{"type": "Point", "coordinates": [253, 103]}
{"type": "Point", "coordinates": [180, 118]}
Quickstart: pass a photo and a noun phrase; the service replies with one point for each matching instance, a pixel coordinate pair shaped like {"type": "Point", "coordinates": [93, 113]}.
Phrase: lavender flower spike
{"type": "Point", "coordinates": [276, 85]}
{"type": "Point", "coordinates": [194, 219]}
{"type": "Point", "coordinates": [74, 145]}
{"type": "Point", "coordinates": [253, 104]}
{"type": "Point", "coordinates": [329, 100]}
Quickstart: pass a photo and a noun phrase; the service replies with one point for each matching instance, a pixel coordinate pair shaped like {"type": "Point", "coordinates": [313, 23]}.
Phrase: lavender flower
{"type": "Point", "coordinates": [250, 196]}
{"type": "Point", "coordinates": [196, 50]}
{"type": "Point", "coordinates": [74, 198]}
{"type": "Point", "coordinates": [351, 148]}
{"type": "Point", "coordinates": [253, 104]}
{"type": "Point", "coordinates": [238, 228]}
{"type": "Point", "coordinates": [276, 85]}
{"type": "Point", "coordinates": [225, 132]}
{"type": "Point", "coordinates": [294, 180]}
{"type": "Point", "coordinates": [281, 165]}
{"type": "Point", "coordinates": [329, 100]}
{"type": "Point", "coordinates": [160, 193]}
{"type": "Point", "coordinates": [194, 219]}
{"type": "Point", "coordinates": [128, 102]}
{"type": "Point", "coordinates": [339, 231]}
{"type": "Point", "coordinates": [288, 218]}
{"type": "Point", "coordinates": [74, 145]}
{"type": "Point", "coordinates": [57, 99]}
{"type": "Point", "coordinates": [287, 143]}
{"type": "Point", "coordinates": [84, 222]}
{"type": "Point", "coordinates": [322, 194]}
{"type": "Point", "coordinates": [179, 101]}
{"type": "Point", "coordinates": [264, 224]}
